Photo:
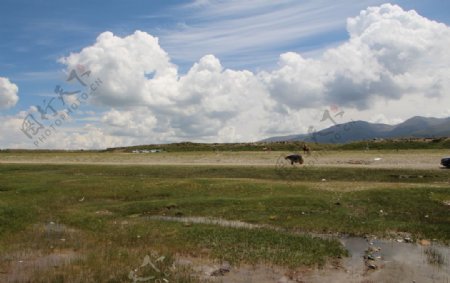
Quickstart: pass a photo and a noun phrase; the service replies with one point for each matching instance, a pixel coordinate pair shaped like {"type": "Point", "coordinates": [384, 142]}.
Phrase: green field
{"type": "Point", "coordinates": [103, 215]}
{"type": "Point", "coordinates": [383, 144]}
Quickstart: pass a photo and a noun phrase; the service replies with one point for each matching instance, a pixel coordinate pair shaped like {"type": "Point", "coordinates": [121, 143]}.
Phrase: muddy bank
{"type": "Point", "coordinates": [370, 260]}
{"type": "Point", "coordinates": [395, 263]}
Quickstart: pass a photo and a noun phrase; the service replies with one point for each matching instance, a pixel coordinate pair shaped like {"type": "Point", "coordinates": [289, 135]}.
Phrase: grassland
{"type": "Point", "coordinates": [101, 217]}
{"type": "Point", "coordinates": [382, 144]}
{"type": "Point", "coordinates": [379, 144]}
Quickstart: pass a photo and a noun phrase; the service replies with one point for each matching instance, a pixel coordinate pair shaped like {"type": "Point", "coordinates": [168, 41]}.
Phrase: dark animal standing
{"type": "Point", "coordinates": [295, 158]}
{"type": "Point", "coordinates": [306, 149]}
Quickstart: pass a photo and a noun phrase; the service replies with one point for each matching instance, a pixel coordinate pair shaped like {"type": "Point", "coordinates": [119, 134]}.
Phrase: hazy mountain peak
{"type": "Point", "coordinates": [417, 126]}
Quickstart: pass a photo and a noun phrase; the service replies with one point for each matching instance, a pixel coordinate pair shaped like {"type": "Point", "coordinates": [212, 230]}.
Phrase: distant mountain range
{"type": "Point", "coordinates": [416, 127]}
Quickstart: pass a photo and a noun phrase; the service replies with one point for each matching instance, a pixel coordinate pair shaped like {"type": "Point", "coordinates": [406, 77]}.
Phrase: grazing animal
{"type": "Point", "coordinates": [306, 149]}
{"type": "Point", "coordinates": [295, 158]}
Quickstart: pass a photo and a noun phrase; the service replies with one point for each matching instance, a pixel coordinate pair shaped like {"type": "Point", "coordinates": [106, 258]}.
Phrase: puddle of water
{"type": "Point", "coordinates": [23, 266]}
{"type": "Point", "coordinates": [395, 262]}
{"type": "Point", "coordinates": [208, 220]}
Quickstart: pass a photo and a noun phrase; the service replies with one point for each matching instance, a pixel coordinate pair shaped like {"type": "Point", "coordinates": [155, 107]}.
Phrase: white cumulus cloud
{"type": "Point", "coordinates": [390, 53]}
{"type": "Point", "coordinates": [134, 69]}
{"type": "Point", "coordinates": [137, 73]}
{"type": "Point", "coordinates": [8, 93]}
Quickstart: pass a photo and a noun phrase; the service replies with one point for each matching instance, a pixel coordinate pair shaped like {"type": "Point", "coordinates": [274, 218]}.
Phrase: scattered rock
{"type": "Point", "coordinates": [226, 266]}
{"type": "Point", "coordinates": [424, 242]}
{"type": "Point", "coordinates": [374, 249]}
{"type": "Point", "coordinates": [171, 206]}
{"type": "Point", "coordinates": [223, 269]}
{"type": "Point", "coordinates": [103, 212]}
{"type": "Point", "coordinates": [220, 272]}
{"type": "Point", "coordinates": [283, 279]}
{"type": "Point", "coordinates": [364, 162]}
{"type": "Point", "coordinates": [408, 240]}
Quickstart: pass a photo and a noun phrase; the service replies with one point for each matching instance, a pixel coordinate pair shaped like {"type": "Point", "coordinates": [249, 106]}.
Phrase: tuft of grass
{"type": "Point", "coordinates": [434, 256]}
{"type": "Point", "coordinates": [238, 245]}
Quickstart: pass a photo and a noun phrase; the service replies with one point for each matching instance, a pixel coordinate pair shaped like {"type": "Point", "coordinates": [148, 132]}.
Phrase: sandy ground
{"type": "Point", "coordinates": [414, 159]}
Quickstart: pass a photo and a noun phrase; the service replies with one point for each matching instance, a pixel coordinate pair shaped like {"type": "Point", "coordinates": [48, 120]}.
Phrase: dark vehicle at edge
{"type": "Point", "coordinates": [446, 162]}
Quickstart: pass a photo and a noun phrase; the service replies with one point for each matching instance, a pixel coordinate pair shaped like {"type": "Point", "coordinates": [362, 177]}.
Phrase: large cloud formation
{"type": "Point", "coordinates": [390, 54]}
{"type": "Point", "coordinates": [8, 93]}
{"type": "Point", "coordinates": [136, 72]}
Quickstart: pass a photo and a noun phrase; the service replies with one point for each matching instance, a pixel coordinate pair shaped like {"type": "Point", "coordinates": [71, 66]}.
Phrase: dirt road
{"type": "Point", "coordinates": [413, 159]}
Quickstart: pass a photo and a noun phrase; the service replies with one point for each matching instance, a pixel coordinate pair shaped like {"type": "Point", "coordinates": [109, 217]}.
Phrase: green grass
{"type": "Point", "coordinates": [256, 146]}
{"type": "Point", "coordinates": [103, 213]}
{"type": "Point", "coordinates": [398, 144]}
{"type": "Point", "coordinates": [80, 173]}
{"type": "Point", "coordinates": [386, 144]}
{"type": "Point", "coordinates": [262, 245]}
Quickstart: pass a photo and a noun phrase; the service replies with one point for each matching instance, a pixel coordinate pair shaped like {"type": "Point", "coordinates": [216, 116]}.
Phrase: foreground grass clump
{"type": "Point", "coordinates": [126, 249]}
{"type": "Point", "coordinates": [94, 219]}
{"type": "Point", "coordinates": [264, 246]}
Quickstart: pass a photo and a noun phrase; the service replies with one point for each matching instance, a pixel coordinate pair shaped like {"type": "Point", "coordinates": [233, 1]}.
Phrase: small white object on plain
{"type": "Point", "coordinates": [377, 158]}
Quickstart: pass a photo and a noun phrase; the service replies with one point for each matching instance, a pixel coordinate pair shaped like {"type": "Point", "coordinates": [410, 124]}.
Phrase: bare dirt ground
{"type": "Point", "coordinates": [413, 159]}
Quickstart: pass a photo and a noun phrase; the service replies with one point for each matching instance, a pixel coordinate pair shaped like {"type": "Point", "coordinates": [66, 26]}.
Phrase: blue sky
{"type": "Point", "coordinates": [35, 34]}
{"type": "Point", "coordinates": [243, 35]}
